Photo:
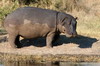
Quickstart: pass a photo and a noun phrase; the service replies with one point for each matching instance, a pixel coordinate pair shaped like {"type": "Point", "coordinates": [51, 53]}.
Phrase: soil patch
{"type": "Point", "coordinates": [65, 49]}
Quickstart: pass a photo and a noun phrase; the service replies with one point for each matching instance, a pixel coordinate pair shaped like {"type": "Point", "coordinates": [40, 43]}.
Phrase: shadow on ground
{"type": "Point", "coordinates": [82, 41]}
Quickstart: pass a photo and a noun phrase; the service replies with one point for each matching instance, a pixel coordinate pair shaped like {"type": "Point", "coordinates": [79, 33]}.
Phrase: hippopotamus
{"type": "Point", "coordinates": [32, 22]}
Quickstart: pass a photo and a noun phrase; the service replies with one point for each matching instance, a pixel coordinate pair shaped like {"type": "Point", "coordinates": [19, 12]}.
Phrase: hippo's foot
{"type": "Point", "coordinates": [13, 47]}
{"type": "Point", "coordinates": [48, 46]}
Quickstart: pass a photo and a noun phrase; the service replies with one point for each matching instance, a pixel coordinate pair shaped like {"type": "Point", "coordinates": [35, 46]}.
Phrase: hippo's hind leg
{"type": "Point", "coordinates": [11, 39]}
{"type": "Point", "coordinates": [13, 33]}
{"type": "Point", "coordinates": [14, 41]}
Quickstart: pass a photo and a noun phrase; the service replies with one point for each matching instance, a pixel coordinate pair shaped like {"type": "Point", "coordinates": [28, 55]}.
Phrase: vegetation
{"type": "Point", "coordinates": [87, 11]}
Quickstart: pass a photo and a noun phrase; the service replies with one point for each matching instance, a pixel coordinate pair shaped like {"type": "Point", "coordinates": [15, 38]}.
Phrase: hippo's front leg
{"type": "Point", "coordinates": [49, 39]}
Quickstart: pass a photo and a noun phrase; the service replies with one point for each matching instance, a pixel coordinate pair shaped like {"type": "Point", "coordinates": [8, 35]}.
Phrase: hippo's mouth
{"type": "Point", "coordinates": [70, 35]}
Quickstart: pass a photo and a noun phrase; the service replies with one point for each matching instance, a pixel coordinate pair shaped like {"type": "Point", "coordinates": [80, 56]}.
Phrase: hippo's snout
{"type": "Point", "coordinates": [71, 35]}
{"type": "Point", "coordinates": [74, 34]}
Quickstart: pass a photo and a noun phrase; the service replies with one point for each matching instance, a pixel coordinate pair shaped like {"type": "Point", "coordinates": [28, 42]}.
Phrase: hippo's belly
{"type": "Point", "coordinates": [34, 30]}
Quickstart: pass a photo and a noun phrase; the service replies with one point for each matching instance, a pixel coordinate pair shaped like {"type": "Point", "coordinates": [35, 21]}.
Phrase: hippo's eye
{"type": "Point", "coordinates": [64, 30]}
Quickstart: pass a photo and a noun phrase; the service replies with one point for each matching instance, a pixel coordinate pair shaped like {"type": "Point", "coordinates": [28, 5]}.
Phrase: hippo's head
{"type": "Point", "coordinates": [68, 25]}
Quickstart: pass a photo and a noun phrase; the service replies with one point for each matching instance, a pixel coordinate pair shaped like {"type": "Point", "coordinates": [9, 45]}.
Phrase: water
{"type": "Point", "coordinates": [49, 64]}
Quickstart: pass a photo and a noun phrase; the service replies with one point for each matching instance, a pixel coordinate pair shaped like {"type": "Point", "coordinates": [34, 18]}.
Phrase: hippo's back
{"type": "Point", "coordinates": [31, 22]}
{"type": "Point", "coordinates": [32, 14]}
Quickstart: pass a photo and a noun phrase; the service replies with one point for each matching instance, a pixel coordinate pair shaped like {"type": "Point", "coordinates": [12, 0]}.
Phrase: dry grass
{"type": "Point", "coordinates": [89, 21]}
{"type": "Point", "coordinates": [87, 11]}
{"type": "Point", "coordinates": [88, 24]}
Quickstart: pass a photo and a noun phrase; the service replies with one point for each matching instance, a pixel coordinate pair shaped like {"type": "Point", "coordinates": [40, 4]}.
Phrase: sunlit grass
{"type": "Point", "coordinates": [89, 27]}
{"type": "Point", "coordinates": [87, 11]}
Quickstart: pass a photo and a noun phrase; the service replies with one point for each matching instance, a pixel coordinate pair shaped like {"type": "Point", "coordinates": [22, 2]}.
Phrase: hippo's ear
{"type": "Point", "coordinates": [76, 18]}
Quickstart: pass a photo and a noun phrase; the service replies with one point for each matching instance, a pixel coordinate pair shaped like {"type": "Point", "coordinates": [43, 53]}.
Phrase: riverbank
{"type": "Point", "coordinates": [66, 49]}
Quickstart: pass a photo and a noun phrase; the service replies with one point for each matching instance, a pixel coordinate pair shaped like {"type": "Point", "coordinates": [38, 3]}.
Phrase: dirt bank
{"type": "Point", "coordinates": [69, 49]}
